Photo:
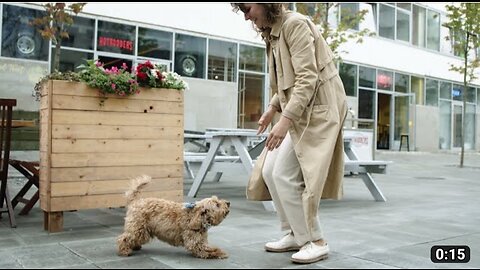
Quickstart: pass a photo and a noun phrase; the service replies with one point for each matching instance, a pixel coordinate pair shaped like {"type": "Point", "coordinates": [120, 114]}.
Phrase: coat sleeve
{"type": "Point", "coordinates": [301, 45]}
{"type": "Point", "coordinates": [275, 102]}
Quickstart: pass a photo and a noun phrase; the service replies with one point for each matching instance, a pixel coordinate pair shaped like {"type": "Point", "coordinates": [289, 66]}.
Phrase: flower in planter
{"type": "Point", "coordinates": [149, 75]}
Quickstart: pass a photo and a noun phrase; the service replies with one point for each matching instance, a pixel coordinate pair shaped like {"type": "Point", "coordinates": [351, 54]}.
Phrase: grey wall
{"type": "Point", "coordinates": [210, 104]}
{"type": "Point", "coordinates": [427, 130]}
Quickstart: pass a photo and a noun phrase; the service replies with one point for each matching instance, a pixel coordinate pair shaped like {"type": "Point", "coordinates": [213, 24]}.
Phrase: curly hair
{"type": "Point", "coordinates": [273, 11]}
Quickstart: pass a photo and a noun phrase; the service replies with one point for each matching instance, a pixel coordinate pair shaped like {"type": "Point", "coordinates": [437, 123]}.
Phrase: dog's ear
{"type": "Point", "coordinates": [198, 218]}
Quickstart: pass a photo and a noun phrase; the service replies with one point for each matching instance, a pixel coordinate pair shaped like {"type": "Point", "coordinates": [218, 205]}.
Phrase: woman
{"type": "Point", "coordinates": [305, 158]}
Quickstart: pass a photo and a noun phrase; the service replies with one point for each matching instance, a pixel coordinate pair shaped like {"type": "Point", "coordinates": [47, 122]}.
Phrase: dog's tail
{"type": "Point", "coordinates": [135, 186]}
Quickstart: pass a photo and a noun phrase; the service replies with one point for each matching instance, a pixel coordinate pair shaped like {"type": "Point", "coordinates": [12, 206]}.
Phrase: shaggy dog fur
{"type": "Point", "coordinates": [170, 222]}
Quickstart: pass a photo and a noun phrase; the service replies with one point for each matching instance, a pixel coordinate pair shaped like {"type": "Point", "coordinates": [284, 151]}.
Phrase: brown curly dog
{"type": "Point", "coordinates": [175, 223]}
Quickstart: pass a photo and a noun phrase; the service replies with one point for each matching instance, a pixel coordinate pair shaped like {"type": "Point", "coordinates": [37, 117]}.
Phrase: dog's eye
{"type": "Point", "coordinates": [218, 205]}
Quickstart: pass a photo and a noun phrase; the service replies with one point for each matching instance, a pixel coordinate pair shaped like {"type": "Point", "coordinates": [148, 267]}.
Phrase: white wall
{"type": "Point", "coordinates": [427, 125]}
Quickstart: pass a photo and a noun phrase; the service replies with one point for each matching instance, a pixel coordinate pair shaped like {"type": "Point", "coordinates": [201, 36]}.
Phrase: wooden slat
{"type": "Point", "coordinates": [115, 146]}
{"type": "Point", "coordinates": [116, 132]}
{"type": "Point", "coordinates": [113, 159]}
{"type": "Point", "coordinates": [116, 105]}
{"type": "Point", "coordinates": [123, 172]}
{"type": "Point", "coordinates": [86, 188]}
{"type": "Point", "coordinates": [116, 118]}
{"type": "Point", "coordinates": [82, 89]}
{"type": "Point", "coordinates": [108, 200]}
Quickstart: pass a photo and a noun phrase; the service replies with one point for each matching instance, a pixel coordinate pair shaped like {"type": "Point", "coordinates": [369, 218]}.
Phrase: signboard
{"type": "Point", "coordinates": [362, 142]}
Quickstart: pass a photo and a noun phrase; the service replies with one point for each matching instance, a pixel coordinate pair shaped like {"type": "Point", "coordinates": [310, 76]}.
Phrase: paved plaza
{"type": "Point", "coordinates": [430, 201]}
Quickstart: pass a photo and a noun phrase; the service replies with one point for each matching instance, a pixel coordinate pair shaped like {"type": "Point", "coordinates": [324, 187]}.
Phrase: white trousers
{"type": "Point", "coordinates": [284, 179]}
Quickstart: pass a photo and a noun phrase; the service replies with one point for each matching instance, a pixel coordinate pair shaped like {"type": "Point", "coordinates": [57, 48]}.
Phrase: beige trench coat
{"type": "Point", "coordinates": [301, 65]}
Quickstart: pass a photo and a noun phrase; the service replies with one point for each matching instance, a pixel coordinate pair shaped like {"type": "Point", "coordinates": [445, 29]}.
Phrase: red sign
{"type": "Point", "coordinates": [384, 81]}
{"type": "Point", "coordinates": [115, 42]}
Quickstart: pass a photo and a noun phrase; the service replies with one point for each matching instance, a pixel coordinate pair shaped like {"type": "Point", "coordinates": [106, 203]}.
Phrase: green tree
{"type": "Point", "coordinates": [464, 24]}
{"type": "Point", "coordinates": [54, 25]}
{"type": "Point", "coordinates": [336, 36]}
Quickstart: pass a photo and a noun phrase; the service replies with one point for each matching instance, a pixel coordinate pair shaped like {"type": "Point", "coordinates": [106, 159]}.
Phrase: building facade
{"type": "Point", "coordinates": [397, 81]}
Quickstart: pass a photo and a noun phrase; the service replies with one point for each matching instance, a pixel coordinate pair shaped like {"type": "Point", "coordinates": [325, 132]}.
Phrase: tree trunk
{"type": "Point", "coordinates": [462, 153]}
{"type": "Point", "coordinates": [56, 62]}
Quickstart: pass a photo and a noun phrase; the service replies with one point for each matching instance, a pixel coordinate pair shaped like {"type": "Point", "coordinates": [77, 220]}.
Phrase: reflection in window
{"type": "Point", "coordinates": [222, 58]}
{"type": "Point", "coordinates": [417, 85]}
{"type": "Point", "coordinates": [109, 62]}
{"type": "Point", "coordinates": [403, 25]}
{"type": "Point", "coordinates": [348, 74]}
{"type": "Point", "coordinates": [418, 35]}
{"type": "Point", "coordinates": [386, 24]}
{"type": "Point", "coordinates": [401, 117]}
{"type": "Point", "coordinates": [431, 92]}
{"type": "Point", "coordinates": [348, 12]}
{"type": "Point", "coordinates": [401, 83]}
{"type": "Point", "coordinates": [80, 34]}
{"type": "Point", "coordinates": [190, 55]}
{"type": "Point", "coordinates": [19, 39]}
{"type": "Point", "coordinates": [366, 77]}
{"type": "Point", "coordinates": [252, 58]}
{"type": "Point", "coordinates": [116, 37]}
{"type": "Point", "coordinates": [457, 92]}
{"type": "Point", "coordinates": [70, 60]}
{"type": "Point", "coordinates": [433, 28]}
{"type": "Point", "coordinates": [470, 95]}
{"type": "Point", "coordinates": [155, 43]}
{"type": "Point", "coordinates": [445, 124]}
{"type": "Point", "coordinates": [470, 127]}
{"type": "Point", "coordinates": [445, 90]}
{"type": "Point", "coordinates": [366, 104]}
{"type": "Point", "coordinates": [384, 80]}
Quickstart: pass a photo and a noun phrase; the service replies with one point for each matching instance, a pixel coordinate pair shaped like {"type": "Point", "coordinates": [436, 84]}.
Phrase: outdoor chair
{"type": "Point", "coordinates": [6, 110]}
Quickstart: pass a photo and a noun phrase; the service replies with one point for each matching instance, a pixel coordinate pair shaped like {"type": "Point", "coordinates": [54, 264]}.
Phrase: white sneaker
{"type": "Point", "coordinates": [287, 243]}
{"type": "Point", "coordinates": [310, 253]}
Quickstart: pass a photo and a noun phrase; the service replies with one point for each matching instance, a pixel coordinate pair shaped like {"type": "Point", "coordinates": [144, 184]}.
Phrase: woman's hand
{"type": "Point", "coordinates": [278, 133]}
{"type": "Point", "coordinates": [266, 119]}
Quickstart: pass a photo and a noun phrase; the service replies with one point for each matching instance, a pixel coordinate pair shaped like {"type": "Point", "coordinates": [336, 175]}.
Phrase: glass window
{"type": "Point", "coordinates": [155, 43]}
{"type": "Point", "coordinates": [80, 34]}
{"type": "Point", "coordinates": [190, 54]}
{"type": "Point", "coordinates": [457, 40]}
{"type": "Point", "coordinates": [386, 24]}
{"type": "Point", "coordinates": [116, 37]}
{"type": "Point", "coordinates": [348, 74]}
{"type": "Point", "coordinates": [19, 38]}
{"type": "Point", "coordinates": [470, 127]}
{"type": "Point", "coordinates": [405, 6]}
{"type": "Point", "coordinates": [222, 60]}
{"type": "Point", "coordinates": [348, 12]}
{"type": "Point", "coordinates": [431, 92]}
{"type": "Point", "coordinates": [445, 90]}
{"type": "Point", "coordinates": [401, 117]}
{"type": "Point", "coordinates": [250, 99]}
{"type": "Point", "coordinates": [418, 27]}
{"type": "Point", "coordinates": [109, 62]}
{"type": "Point", "coordinates": [366, 104]}
{"type": "Point", "coordinates": [445, 124]}
{"type": "Point", "coordinates": [402, 83]}
{"type": "Point", "coordinates": [252, 58]}
{"type": "Point", "coordinates": [478, 97]}
{"type": "Point", "coordinates": [366, 77]}
{"type": "Point", "coordinates": [403, 25]}
{"type": "Point", "coordinates": [417, 85]}
{"type": "Point", "coordinates": [70, 60]}
{"type": "Point", "coordinates": [470, 95]}
{"type": "Point", "coordinates": [384, 80]}
{"type": "Point", "coordinates": [457, 92]}
{"type": "Point", "coordinates": [433, 28]}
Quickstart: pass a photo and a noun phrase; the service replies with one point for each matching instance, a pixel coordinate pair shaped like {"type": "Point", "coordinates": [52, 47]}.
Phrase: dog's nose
{"type": "Point", "coordinates": [228, 203]}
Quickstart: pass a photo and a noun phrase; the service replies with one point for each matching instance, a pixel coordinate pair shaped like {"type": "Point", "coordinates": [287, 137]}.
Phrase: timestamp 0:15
{"type": "Point", "coordinates": [450, 254]}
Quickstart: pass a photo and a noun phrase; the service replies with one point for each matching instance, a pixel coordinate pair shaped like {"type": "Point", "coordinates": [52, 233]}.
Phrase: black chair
{"type": "Point", "coordinates": [6, 108]}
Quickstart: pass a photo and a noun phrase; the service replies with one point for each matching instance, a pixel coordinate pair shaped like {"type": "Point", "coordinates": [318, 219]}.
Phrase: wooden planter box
{"type": "Point", "coordinates": [89, 152]}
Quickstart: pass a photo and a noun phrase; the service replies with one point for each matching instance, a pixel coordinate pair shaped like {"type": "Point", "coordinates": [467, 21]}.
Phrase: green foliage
{"type": "Point", "coordinates": [108, 81]}
{"type": "Point", "coordinates": [54, 25]}
{"type": "Point", "coordinates": [335, 37]}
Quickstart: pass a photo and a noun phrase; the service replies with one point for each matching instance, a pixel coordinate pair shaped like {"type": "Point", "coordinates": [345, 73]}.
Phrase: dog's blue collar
{"type": "Point", "coordinates": [189, 205]}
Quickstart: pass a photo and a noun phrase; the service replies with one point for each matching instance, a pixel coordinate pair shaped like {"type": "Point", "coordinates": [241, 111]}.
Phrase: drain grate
{"type": "Point", "coordinates": [429, 178]}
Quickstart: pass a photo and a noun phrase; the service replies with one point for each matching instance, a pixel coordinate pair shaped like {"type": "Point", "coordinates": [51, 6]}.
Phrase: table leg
{"type": "Point", "coordinates": [206, 164]}
{"type": "Point", "coordinates": [372, 186]}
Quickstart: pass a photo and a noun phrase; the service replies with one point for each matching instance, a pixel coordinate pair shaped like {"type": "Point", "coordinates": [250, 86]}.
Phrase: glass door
{"type": "Point", "coordinates": [457, 121]}
{"type": "Point", "coordinates": [250, 99]}
{"type": "Point", "coordinates": [401, 123]}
